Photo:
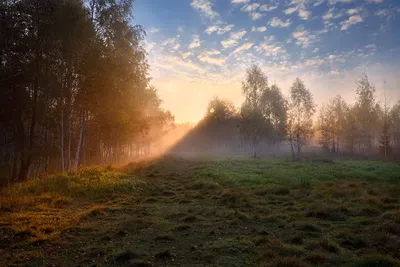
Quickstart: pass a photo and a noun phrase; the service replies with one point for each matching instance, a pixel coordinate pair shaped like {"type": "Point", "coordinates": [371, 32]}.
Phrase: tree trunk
{"type": "Point", "coordinates": [254, 148]}
{"type": "Point", "coordinates": [62, 136]}
{"type": "Point", "coordinates": [80, 140]}
{"type": "Point", "coordinates": [15, 165]}
{"type": "Point", "coordinates": [298, 145]}
{"type": "Point", "coordinates": [24, 171]}
{"type": "Point", "coordinates": [69, 140]}
{"type": "Point", "coordinates": [291, 145]}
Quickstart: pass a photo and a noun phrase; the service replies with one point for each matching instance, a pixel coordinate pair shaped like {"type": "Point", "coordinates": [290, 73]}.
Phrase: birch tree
{"type": "Point", "coordinates": [300, 122]}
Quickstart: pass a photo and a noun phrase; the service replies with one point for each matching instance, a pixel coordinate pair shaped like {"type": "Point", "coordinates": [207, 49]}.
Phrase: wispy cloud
{"type": "Point", "coordinates": [371, 46]}
{"type": "Point", "coordinates": [219, 29]}
{"type": "Point", "coordinates": [239, 1]}
{"type": "Point", "coordinates": [233, 39]}
{"type": "Point", "coordinates": [250, 8]}
{"type": "Point", "coordinates": [168, 41]}
{"type": "Point", "coordinates": [332, 13]}
{"type": "Point", "coordinates": [259, 29]}
{"type": "Point", "coordinates": [272, 49]}
{"type": "Point", "coordinates": [243, 47]}
{"type": "Point", "coordinates": [268, 8]}
{"type": "Point", "coordinates": [255, 15]}
{"type": "Point", "coordinates": [195, 42]}
{"type": "Point", "coordinates": [204, 57]}
{"type": "Point", "coordinates": [278, 23]}
{"type": "Point", "coordinates": [354, 11]}
{"type": "Point", "coordinates": [299, 6]}
{"type": "Point", "coordinates": [374, 1]}
{"type": "Point", "coordinates": [290, 10]}
{"type": "Point", "coordinates": [255, 10]}
{"type": "Point", "coordinates": [303, 37]}
{"type": "Point", "coordinates": [350, 21]}
{"type": "Point", "coordinates": [205, 7]}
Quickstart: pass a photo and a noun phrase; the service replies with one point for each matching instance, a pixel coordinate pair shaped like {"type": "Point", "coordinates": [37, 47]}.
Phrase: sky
{"type": "Point", "coordinates": [199, 49]}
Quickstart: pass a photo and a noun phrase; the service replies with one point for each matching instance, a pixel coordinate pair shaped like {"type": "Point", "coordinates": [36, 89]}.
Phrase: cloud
{"type": "Point", "coordinates": [186, 54]}
{"type": "Point", "coordinates": [219, 61]}
{"type": "Point", "coordinates": [332, 2]}
{"type": "Point", "coordinates": [255, 15]}
{"type": "Point", "coordinates": [312, 62]}
{"type": "Point", "coordinates": [233, 39]}
{"type": "Point", "coordinates": [228, 43]}
{"type": "Point", "coordinates": [255, 10]}
{"type": "Point", "coordinates": [250, 8]}
{"type": "Point", "coordinates": [195, 42]}
{"type": "Point", "coordinates": [382, 12]}
{"type": "Point", "coordinates": [278, 23]}
{"type": "Point", "coordinates": [350, 21]}
{"type": "Point", "coordinates": [354, 11]}
{"type": "Point", "coordinates": [374, 1]}
{"type": "Point", "coordinates": [174, 63]}
{"type": "Point", "coordinates": [267, 8]}
{"type": "Point", "coordinates": [271, 49]}
{"type": "Point", "coordinates": [332, 14]}
{"type": "Point", "coordinates": [290, 10]}
{"type": "Point", "coordinates": [238, 35]}
{"type": "Point", "coordinates": [319, 2]}
{"type": "Point", "coordinates": [219, 29]}
{"type": "Point", "coordinates": [212, 52]}
{"type": "Point", "coordinates": [205, 7]}
{"type": "Point", "coordinates": [303, 37]}
{"type": "Point", "coordinates": [243, 47]}
{"type": "Point", "coordinates": [259, 29]}
{"type": "Point", "coordinates": [371, 46]}
{"type": "Point", "coordinates": [240, 1]}
{"type": "Point", "coordinates": [169, 41]}
{"type": "Point", "coordinates": [300, 7]}
{"type": "Point", "coordinates": [304, 14]}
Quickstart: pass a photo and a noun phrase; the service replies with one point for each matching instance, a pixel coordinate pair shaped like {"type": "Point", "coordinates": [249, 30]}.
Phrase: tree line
{"type": "Point", "coordinates": [365, 129]}
{"type": "Point", "coordinates": [75, 88]}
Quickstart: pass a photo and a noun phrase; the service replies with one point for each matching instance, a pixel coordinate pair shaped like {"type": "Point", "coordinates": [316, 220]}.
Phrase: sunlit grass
{"type": "Point", "coordinates": [93, 182]}
{"type": "Point", "coordinates": [42, 208]}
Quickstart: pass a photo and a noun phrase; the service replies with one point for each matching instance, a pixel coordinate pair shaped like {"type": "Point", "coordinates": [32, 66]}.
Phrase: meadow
{"type": "Point", "coordinates": [206, 212]}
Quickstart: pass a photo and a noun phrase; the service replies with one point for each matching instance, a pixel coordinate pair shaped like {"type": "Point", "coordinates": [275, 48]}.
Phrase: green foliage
{"type": "Point", "coordinates": [263, 115]}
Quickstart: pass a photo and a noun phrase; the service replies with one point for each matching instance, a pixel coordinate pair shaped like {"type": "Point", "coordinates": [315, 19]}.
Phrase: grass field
{"type": "Point", "coordinates": [203, 212]}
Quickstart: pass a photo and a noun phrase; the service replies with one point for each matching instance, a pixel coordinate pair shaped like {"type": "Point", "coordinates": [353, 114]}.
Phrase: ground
{"type": "Point", "coordinates": [206, 212]}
